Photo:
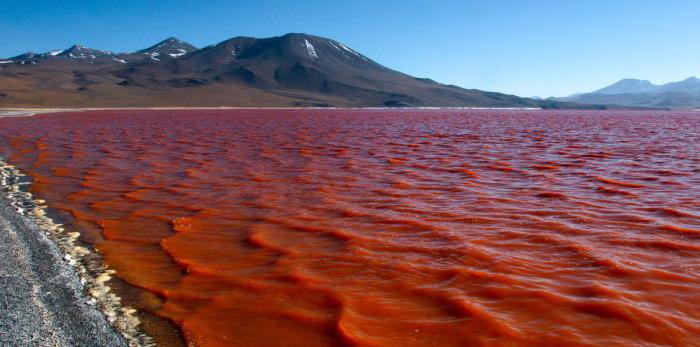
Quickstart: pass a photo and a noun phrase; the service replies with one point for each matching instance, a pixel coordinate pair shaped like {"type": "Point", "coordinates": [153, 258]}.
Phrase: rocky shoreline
{"type": "Point", "coordinates": [52, 290]}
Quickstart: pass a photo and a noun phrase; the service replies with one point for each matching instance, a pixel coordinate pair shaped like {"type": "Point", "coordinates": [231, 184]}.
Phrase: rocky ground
{"type": "Point", "coordinates": [42, 302]}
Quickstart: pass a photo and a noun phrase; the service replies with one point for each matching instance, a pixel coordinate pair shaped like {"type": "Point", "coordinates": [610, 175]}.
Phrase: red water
{"type": "Point", "coordinates": [384, 228]}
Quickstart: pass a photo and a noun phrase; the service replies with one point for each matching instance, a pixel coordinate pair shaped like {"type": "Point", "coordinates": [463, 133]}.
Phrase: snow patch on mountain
{"type": "Point", "coordinates": [181, 52]}
{"type": "Point", "coordinates": [336, 47]}
{"type": "Point", "coordinates": [351, 51]}
{"type": "Point", "coordinates": [310, 49]}
{"type": "Point", "coordinates": [345, 50]}
{"type": "Point", "coordinates": [153, 55]}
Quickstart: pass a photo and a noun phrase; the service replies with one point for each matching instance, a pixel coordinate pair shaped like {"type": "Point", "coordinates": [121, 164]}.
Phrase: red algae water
{"type": "Point", "coordinates": [386, 227]}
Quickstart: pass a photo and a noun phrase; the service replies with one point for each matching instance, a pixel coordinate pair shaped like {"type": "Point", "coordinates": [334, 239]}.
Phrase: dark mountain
{"type": "Point", "coordinates": [641, 93]}
{"type": "Point", "coordinates": [171, 47]}
{"type": "Point", "coordinates": [25, 58]}
{"type": "Point", "coordinates": [81, 52]}
{"type": "Point", "coordinates": [289, 70]}
{"type": "Point", "coordinates": [75, 52]}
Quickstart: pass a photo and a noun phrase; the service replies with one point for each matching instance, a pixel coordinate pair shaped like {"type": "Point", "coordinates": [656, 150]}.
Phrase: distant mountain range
{"type": "Point", "coordinates": [289, 70]}
{"type": "Point", "coordinates": [642, 93]}
{"type": "Point", "coordinates": [169, 48]}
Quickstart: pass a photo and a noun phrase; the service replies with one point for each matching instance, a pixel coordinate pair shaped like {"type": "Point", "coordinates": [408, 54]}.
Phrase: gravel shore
{"type": "Point", "coordinates": [53, 291]}
{"type": "Point", "coordinates": [41, 297]}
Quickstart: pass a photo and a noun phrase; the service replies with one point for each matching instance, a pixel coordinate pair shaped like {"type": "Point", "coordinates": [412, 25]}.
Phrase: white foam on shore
{"type": "Point", "coordinates": [93, 274]}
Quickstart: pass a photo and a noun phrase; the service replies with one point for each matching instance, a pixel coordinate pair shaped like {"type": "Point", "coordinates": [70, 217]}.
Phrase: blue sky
{"type": "Point", "coordinates": [526, 47]}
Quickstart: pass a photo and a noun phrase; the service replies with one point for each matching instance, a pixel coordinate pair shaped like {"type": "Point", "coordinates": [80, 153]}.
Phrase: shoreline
{"type": "Point", "coordinates": [30, 111]}
{"type": "Point", "coordinates": [67, 281]}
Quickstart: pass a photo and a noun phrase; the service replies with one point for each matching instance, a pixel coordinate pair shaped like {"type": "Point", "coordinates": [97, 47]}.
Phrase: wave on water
{"type": "Point", "coordinates": [379, 227]}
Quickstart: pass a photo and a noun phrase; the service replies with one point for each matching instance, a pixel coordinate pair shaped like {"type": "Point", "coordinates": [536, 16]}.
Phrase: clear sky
{"type": "Point", "coordinates": [524, 47]}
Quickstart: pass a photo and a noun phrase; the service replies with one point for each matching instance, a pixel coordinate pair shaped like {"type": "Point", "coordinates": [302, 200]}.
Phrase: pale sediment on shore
{"type": "Point", "coordinates": [28, 112]}
{"type": "Point", "coordinates": [53, 291]}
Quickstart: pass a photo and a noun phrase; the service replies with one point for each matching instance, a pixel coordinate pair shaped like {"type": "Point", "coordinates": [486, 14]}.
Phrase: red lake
{"type": "Point", "coordinates": [384, 227]}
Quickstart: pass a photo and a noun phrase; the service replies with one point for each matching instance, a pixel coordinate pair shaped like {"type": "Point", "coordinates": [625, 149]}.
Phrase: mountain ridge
{"type": "Point", "coordinates": [643, 93]}
{"type": "Point", "coordinates": [294, 69]}
{"type": "Point", "coordinates": [627, 86]}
